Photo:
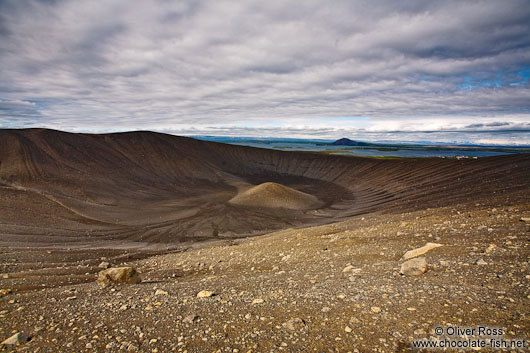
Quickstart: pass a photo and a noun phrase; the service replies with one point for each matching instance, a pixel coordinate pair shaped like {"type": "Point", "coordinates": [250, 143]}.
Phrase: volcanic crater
{"type": "Point", "coordinates": [150, 188]}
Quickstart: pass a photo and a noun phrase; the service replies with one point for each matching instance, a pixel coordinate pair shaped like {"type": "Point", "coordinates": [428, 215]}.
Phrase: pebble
{"type": "Point", "coordinates": [491, 248]}
{"type": "Point", "coordinates": [190, 318]}
{"type": "Point", "coordinates": [205, 294]}
{"type": "Point", "coordinates": [104, 264]}
{"type": "Point", "coordinates": [480, 262]}
{"type": "Point", "coordinates": [294, 324]}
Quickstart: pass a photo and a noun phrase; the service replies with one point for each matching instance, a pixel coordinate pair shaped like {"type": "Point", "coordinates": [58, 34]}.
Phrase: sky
{"type": "Point", "coordinates": [439, 71]}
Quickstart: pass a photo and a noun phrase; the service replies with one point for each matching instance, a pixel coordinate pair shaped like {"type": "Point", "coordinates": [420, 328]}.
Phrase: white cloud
{"type": "Point", "coordinates": [162, 65]}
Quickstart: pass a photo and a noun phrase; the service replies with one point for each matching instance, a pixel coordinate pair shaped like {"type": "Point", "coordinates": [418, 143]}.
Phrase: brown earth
{"type": "Point", "coordinates": [161, 203]}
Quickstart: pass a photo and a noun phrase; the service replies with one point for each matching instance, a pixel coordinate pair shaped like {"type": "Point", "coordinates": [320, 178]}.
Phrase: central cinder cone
{"type": "Point", "coordinates": [275, 195]}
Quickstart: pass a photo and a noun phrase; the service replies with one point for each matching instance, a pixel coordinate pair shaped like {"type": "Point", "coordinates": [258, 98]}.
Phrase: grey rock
{"type": "Point", "coordinates": [294, 324]}
{"type": "Point", "coordinates": [190, 318]}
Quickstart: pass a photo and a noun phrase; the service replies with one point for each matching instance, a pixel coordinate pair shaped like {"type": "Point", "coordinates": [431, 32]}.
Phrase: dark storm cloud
{"type": "Point", "coordinates": [164, 65]}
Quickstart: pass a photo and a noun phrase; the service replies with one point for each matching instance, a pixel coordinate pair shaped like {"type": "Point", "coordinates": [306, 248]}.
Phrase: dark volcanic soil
{"type": "Point", "coordinates": [326, 281]}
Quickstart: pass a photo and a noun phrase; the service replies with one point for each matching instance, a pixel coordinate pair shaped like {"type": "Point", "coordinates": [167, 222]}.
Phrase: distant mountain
{"type": "Point", "coordinates": [348, 142]}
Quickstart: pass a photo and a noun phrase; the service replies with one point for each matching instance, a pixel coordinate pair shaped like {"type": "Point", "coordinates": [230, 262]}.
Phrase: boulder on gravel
{"type": "Point", "coordinates": [126, 274]}
{"type": "Point", "coordinates": [414, 267]}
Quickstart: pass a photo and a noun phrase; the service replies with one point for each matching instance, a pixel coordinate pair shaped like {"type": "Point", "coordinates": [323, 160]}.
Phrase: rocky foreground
{"type": "Point", "coordinates": [333, 288]}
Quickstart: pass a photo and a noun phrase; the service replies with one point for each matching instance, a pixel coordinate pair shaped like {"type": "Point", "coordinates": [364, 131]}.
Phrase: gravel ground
{"type": "Point", "coordinates": [332, 288]}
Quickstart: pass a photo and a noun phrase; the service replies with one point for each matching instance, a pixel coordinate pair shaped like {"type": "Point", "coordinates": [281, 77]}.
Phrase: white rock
{"type": "Point", "coordinates": [420, 251]}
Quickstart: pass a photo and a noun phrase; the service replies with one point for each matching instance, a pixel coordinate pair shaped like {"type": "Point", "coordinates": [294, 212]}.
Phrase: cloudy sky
{"type": "Point", "coordinates": [452, 71]}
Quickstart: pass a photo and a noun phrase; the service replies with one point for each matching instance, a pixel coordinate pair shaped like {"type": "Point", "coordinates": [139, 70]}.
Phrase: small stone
{"type": "Point", "coordinates": [4, 292]}
{"type": "Point", "coordinates": [376, 309]}
{"type": "Point", "coordinates": [414, 267]}
{"type": "Point", "coordinates": [525, 219]}
{"type": "Point", "coordinates": [104, 264]}
{"type": "Point", "coordinates": [352, 270]}
{"type": "Point", "coordinates": [480, 262]}
{"type": "Point", "coordinates": [348, 329]}
{"type": "Point", "coordinates": [161, 292]}
{"type": "Point", "coordinates": [258, 301]}
{"type": "Point", "coordinates": [419, 332]}
{"type": "Point", "coordinates": [190, 318]}
{"type": "Point", "coordinates": [326, 309]}
{"type": "Point", "coordinates": [294, 324]}
{"type": "Point", "coordinates": [348, 268]}
{"type": "Point", "coordinates": [71, 298]}
{"type": "Point", "coordinates": [205, 294]}
{"type": "Point", "coordinates": [491, 248]}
